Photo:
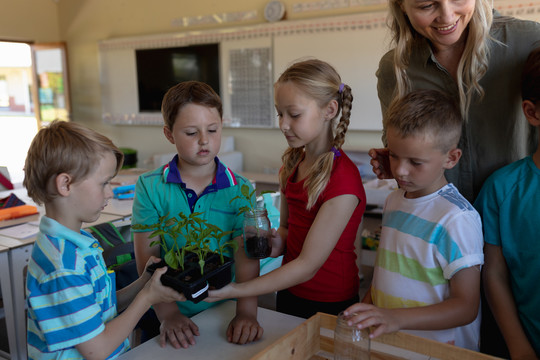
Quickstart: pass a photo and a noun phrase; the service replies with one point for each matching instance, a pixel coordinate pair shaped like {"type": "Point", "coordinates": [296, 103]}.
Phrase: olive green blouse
{"type": "Point", "coordinates": [496, 132]}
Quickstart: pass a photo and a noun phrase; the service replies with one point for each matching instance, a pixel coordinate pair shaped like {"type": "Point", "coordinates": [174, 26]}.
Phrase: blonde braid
{"type": "Point", "coordinates": [320, 81]}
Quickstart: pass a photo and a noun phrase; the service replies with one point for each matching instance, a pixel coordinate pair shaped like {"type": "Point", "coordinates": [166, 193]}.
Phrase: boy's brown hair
{"type": "Point", "coordinates": [188, 92]}
{"type": "Point", "coordinates": [64, 147]}
{"type": "Point", "coordinates": [423, 111]}
{"type": "Point", "coordinates": [530, 80]}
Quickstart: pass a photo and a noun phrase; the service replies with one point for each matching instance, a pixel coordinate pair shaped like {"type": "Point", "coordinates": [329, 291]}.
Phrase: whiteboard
{"type": "Point", "coordinates": [355, 56]}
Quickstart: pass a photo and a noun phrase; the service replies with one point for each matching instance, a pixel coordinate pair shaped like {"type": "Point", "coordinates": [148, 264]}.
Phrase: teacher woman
{"type": "Point", "coordinates": [468, 50]}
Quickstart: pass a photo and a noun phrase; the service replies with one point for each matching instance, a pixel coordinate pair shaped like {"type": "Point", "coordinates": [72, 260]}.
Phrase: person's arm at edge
{"type": "Point", "coordinates": [501, 301]}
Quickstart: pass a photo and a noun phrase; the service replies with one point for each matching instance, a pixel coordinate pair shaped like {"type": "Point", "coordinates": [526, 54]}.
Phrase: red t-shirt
{"type": "Point", "coordinates": [337, 280]}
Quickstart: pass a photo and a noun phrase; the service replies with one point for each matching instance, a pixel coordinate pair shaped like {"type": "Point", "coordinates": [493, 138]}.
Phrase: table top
{"type": "Point", "coordinates": [116, 210]}
{"type": "Point", "coordinates": [212, 343]}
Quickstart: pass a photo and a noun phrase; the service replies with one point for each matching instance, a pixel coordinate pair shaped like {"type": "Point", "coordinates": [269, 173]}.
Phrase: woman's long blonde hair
{"type": "Point", "coordinates": [320, 81]}
{"type": "Point", "coordinates": [472, 65]}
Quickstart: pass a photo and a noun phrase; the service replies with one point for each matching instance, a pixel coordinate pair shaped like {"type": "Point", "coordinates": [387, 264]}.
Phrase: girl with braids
{"type": "Point", "coordinates": [469, 51]}
{"type": "Point", "coordinates": [324, 198]}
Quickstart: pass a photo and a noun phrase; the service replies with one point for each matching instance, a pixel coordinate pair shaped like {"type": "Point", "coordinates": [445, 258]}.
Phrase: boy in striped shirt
{"type": "Point", "coordinates": [427, 273]}
{"type": "Point", "coordinates": [72, 301]}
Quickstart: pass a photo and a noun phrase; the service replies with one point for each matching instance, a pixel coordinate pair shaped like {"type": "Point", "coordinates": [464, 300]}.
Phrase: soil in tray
{"type": "Point", "coordinates": [257, 247]}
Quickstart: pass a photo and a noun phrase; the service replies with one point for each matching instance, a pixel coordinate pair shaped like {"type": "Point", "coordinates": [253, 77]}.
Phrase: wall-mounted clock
{"type": "Point", "coordinates": [274, 11]}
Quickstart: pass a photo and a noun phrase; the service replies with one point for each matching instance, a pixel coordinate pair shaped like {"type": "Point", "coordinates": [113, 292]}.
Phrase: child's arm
{"type": "Point", "coordinates": [367, 297]}
{"type": "Point", "coordinates": [175, 327]}
{"type": "Point", "coordinates": [459, 309]}
{"type": "Point", "coordinates": [244, 328]}
{"type": "Point", "coordinates": [118, 329]}
{"type": "Point", "coordinates": [501, 301]}
{"type": "Point", "coordinates": [322, 237]}
{"type": "Point", "coordinates": [127, 294]}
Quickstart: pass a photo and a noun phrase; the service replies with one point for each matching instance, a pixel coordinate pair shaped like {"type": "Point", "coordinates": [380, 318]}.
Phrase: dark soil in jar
{"type": "Point", "coordinates": [257, 247]}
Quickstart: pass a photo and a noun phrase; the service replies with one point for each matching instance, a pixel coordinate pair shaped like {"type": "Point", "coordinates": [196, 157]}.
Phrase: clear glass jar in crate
{"type": "Point", "coordinates": [349, 341]}
{"type": "Point", "coordinates": [257, 232]}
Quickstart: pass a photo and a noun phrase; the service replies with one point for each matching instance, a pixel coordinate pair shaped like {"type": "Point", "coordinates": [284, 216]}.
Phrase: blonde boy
{"type": "Point", "coordinates": [72, 302]}
{"type": "Point", "coordinates": [426, 277]}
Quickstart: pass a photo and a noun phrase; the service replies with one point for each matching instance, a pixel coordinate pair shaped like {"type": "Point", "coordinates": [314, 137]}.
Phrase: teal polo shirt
{"type": "Point", "coordinates": [162, 191]}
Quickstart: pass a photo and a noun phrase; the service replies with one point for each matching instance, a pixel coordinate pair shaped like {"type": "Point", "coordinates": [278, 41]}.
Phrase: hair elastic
{"type": "Point", "coordinates": [336, 152]}
{"type": "Point", "coordinates": [341, 86]}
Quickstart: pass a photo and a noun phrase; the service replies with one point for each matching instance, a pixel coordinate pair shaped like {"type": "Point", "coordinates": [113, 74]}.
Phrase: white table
{"type": "Point", "coordinates": [212, 343]}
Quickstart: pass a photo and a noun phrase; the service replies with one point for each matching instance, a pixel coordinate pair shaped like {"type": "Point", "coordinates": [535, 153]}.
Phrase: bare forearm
{"type": "Point", "coordinates": [287, 275]}
{"type": "Point", "coordinates": [502, 304]}
{"type": "Point", "coordinates": [164, 311]}
{"type": "Point", "coordinates": [127, 294]}
{"type": "Point", "coordinates": [444, 315]}
{"type": "Point", "coordinates": [247, 306]}
{"type": "Point", "coordinates": [116, 331]}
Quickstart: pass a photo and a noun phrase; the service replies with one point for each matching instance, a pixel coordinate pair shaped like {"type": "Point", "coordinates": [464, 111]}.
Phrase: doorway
{"type": "Point", "coordinates": [34, 90]}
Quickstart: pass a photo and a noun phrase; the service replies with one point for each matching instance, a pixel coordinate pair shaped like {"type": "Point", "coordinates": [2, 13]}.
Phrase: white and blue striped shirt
{"type": "Point", "coordinates": [70, 295]}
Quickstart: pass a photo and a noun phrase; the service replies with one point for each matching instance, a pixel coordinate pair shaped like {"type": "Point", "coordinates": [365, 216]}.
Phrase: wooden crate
{"type": "Point", "coordinates": [314, 340]}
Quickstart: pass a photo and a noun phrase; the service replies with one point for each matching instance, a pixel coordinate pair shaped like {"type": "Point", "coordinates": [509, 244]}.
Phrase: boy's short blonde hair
{"type": "Point", "coordinates": [188, 92]}
{"type": "Point", "coordinates": [64, 147]}
{"type": "Point", "coordinates": [423, 111]}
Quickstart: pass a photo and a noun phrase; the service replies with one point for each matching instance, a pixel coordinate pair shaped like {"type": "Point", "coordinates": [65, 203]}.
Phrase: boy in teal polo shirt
{"type": "Point", "coordinates": [71, 297]}
{"type": "Point", "coordinates": [194, 181]}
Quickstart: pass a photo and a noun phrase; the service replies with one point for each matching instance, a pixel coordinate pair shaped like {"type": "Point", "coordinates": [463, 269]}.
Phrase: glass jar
{"type": "Point", "coordinates": [349, 341]}
{"type": "Point", "coordinates": [257, 234]}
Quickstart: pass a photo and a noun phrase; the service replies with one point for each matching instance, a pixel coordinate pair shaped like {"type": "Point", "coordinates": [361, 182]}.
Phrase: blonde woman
{"type": "Point", "coordinates": [468, 50]}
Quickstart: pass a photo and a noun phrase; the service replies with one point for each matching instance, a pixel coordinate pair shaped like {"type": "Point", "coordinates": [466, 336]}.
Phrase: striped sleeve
{"type": "Point", "coordinates": [65, 308]}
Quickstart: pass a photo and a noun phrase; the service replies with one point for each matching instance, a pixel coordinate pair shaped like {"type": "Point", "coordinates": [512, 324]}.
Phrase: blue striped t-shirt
{"type": "Point", "coordinates": [70, 295]}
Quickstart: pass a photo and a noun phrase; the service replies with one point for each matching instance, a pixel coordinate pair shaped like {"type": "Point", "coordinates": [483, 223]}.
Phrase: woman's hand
{"type": "Point", "coordinates": [380, 163]}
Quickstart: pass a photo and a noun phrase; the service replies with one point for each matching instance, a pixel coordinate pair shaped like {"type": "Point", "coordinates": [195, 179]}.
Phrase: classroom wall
{"type": "Point", "coordinates": [29, 20]}
{"type": "Point", "coordinates": [83, 23]}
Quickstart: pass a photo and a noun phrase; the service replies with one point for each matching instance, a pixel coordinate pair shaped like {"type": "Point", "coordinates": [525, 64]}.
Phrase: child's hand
{"type": "Point", "coordinates": [382, 321]}
{"type": "Point", "coordinates": [277, 244]}
{"type": "Point", "coordinates": [179, 330]}
{"type": "Point", "coordinates": [380, 163]}
{"type": "Point", "coordinates": [226, 292]}
{"type": "Point", "coordinates": [244, 329]}
{"type": "Point", "coordinates": [157, 292]}
{"type": "Point", "coordinates": [151, 260]}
